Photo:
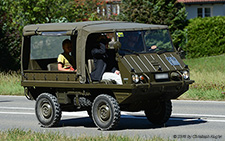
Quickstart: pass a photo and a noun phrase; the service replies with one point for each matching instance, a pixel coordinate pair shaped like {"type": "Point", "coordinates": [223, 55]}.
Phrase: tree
{"type": "Point", "coordinates": [83, 10]}
{"type": "Point", "coordinates": [15, 14]}
{"type": "Point", "coordinates": [9, 42]}
{"type": "Point", "coordinates": [166, 12]}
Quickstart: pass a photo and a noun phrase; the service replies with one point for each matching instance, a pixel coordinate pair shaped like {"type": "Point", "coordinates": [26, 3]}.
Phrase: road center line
{"type": "Point", "coordinates": [17, 113]}
{"type": "Point", "coordinates": [17, 108]}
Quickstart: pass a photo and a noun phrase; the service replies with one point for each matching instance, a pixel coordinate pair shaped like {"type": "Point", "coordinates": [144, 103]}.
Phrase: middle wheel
{"type": "Point", "coordinates": [105, 112]}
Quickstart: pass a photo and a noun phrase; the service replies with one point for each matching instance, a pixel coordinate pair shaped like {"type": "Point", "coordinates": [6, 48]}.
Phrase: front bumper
{"type": "Point", "coordinates": [168, 83]}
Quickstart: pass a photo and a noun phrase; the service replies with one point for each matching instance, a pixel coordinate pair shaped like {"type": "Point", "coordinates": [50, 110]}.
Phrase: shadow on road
{"type": "Point", "coordinates": [5, 101]}
{"type": "Point", "coordinates": [132, 122]}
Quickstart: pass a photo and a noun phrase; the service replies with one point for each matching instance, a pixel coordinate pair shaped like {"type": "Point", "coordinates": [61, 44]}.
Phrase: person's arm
{"type": "Point", "coordinates": [98, 52]}
{"type": "Point", "coordinates": [60, 67]}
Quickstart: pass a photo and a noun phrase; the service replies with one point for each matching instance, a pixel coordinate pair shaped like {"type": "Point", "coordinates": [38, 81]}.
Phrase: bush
{"type": "Point", "coordinates": [205, 37]}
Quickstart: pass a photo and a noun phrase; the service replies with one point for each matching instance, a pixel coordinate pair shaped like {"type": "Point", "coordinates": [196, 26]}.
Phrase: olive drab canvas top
{"type": "Point", "coordinates": [82, 30]}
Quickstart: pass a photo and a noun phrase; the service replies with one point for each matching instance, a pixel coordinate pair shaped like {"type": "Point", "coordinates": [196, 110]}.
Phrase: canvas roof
{"type": "Point", "coordinates": [88, 26]}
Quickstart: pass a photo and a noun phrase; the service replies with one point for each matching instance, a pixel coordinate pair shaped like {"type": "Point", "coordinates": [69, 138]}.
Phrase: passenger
{"type": "Point", "coordinates": [65, 61]}
{"type": "Point", "coordinates": [100, 58]}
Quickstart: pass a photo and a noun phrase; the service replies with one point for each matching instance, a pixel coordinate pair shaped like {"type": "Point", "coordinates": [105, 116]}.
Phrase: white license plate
{"type": "Point", "coordinates": [162, 76]}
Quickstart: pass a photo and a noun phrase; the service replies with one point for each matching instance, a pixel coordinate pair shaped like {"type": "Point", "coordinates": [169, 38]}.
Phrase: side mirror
{"type": "Point", "coordinates": [117, 45]}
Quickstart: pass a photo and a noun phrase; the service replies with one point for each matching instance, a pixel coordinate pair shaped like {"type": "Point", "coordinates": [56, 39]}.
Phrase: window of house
{"type": "Point", "coordinates": [199, 12]}
{"type": "Point", "coordinates": [204, 12]}
{"type": "Point", "coordinates": [207, 12]}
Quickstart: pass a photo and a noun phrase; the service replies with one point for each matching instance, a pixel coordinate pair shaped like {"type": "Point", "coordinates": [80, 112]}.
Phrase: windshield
{"type": "Point", "coordinates": [146, 41]}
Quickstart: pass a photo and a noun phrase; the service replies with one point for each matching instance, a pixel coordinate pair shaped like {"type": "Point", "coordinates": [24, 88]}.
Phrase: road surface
{"type": "Point", "coordinates": [198, 120]}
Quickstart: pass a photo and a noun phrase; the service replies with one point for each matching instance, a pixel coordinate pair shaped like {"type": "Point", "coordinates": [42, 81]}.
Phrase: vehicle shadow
{"type": "Point", "coordinates": [133, 122]}
{"type": "Point", "coordinates": [5, 101]}
{"type": "Point", "coordinates": [141, 122]}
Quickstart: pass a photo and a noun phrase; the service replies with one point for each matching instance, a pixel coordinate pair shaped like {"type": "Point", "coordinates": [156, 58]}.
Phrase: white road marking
{"type": "Point", "coordinates": [17, 113]}
{"type": "Point", "coordinates": [199, 115]}
{"type": "Point", "coordinates": [17, 108]}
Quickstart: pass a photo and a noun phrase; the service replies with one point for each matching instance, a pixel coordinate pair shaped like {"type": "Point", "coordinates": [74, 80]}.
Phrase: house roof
{"type": "Point", "coordinates": [200, 1]}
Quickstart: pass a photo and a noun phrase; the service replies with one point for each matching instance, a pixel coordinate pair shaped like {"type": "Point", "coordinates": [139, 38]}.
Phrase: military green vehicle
{"type": "Point", "coordinates": [151, 72]}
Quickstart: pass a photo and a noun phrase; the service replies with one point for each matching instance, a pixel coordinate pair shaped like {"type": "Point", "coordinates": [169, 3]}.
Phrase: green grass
{"type": "Point", "coordinates": [209, 76]}
{"type": "Point", "coordinates": [21, 135]}
{"type": "Point", "coordinates": [10, 84]}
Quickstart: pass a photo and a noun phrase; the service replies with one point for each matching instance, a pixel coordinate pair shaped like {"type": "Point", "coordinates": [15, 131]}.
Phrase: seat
{"type": "Point", "coordinates": [91, 65]}
{"type": "Point", "coordinates": [52, 66]}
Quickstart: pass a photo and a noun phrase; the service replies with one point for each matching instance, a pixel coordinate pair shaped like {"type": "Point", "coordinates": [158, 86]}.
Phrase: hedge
{"type": "Point", "coordinates": [205, 37]}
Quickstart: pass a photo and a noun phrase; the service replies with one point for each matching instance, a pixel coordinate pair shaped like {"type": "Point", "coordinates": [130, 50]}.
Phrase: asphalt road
{"type": "Point", "coordinates": [190, 120]}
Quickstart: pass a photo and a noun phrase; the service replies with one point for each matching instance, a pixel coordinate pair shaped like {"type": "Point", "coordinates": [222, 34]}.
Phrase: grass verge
{"type": "Point", "coordinates": [209, 76]}
{"type": "Point", "coordinates": [10, 84]}
{"type": "Point", "coordinates": [18, 134]}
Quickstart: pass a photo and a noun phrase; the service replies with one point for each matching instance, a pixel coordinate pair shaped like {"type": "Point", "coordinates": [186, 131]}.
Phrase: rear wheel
{"type": "Point", "coordinates": [105, 112]}
{"type": "Point", "coordinates": [159, 112]}
{"type": "Point", "coordinates": [48, 110]}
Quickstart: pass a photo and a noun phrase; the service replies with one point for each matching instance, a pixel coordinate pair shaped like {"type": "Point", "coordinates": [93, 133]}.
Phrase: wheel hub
{"type": "Point", "coordinates": [104, 112]}
{"type": "Point", "coordinates": [46, 110]}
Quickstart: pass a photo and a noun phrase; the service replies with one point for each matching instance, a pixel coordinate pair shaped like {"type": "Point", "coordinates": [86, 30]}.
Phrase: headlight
{"type": "Point", "coordinates": [142, 78]}
{"type": "Point", "coordinates": [135, 78]}
{"type": "Point", "coordinates": [185, 74]}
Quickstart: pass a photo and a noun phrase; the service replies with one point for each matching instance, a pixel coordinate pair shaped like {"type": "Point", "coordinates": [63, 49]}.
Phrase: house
{"type": "Point", "coordinates": [112, 7]}
{"type": "Point", "coordinates": [204, 8]}
{"type": "Point", "coordinates": [194, 8]}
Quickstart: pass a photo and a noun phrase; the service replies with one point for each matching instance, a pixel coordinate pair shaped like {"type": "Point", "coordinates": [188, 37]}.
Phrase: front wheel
{"type": "Point", "coordinates": [105, 112]}
{"type": "Point", "coordinates": [48, 110]}
{"type": "Point", "coordinates": [158, 112]}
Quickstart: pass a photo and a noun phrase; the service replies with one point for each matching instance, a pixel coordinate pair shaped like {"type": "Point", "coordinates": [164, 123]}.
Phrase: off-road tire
{"type": "Point", "coordinates": [48, 110]}
{"type": "Point", "coordinates": [159, 113]}
{"type": "Point", "coordinates": [105, 112]}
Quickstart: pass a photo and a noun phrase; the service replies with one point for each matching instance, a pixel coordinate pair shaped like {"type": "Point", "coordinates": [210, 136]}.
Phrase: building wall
{"type": "Point", "coordinates": [216, 10]}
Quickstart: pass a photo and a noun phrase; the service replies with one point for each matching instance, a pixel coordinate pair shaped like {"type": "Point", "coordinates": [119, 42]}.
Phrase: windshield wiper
{"type": "Point", "coordinates": [131, 51]}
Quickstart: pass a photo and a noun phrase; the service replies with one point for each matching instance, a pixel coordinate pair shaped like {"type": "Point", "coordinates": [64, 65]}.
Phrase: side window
{"type": "Point", "coordinates": [44, 50]}
{"type": "Point", "coordinates": [46, 47]}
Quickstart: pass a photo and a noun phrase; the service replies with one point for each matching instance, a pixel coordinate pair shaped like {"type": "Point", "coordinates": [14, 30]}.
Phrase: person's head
{"type": "Point", "coordinates": [103, 39]}
{"type": "Point", "coordinates": [67, 46]}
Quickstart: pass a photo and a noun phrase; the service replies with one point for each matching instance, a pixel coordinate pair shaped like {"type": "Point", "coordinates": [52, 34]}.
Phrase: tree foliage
{"type": "Point", "coordinates": [9, 41]}
{"type": "Point", "coordinates": [15, 14]}
{"type": "Point", "coordinates": [205, 37]}
{"type": "Point", "coordinates": [165, 12]}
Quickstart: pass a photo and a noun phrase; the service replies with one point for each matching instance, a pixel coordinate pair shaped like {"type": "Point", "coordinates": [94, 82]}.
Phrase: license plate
{"type": "Point", "coordinates": [173, 61]}
{"type": "Point", "coordinates": [162, 76]}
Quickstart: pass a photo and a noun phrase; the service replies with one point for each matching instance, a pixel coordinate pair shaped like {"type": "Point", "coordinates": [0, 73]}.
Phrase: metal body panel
{"type": "Point", "coordinates": [151, 62]}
